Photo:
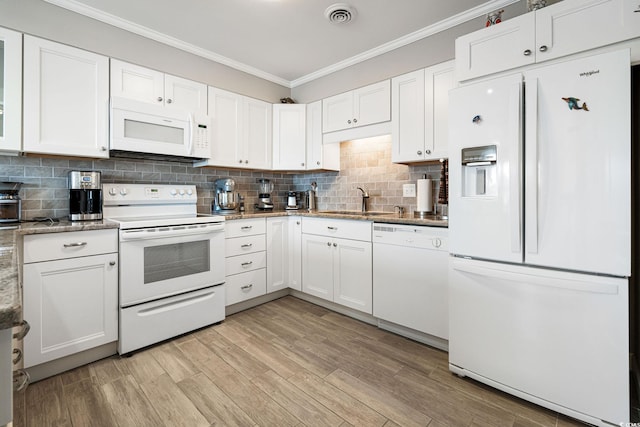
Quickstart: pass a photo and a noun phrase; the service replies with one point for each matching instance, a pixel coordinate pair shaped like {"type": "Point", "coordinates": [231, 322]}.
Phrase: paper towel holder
{"type": "Point", "coordinates": [424, 197]}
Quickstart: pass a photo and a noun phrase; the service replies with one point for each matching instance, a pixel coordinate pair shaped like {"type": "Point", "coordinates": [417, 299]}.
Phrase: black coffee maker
{"type": "Point", "coordinates": [85, 195]}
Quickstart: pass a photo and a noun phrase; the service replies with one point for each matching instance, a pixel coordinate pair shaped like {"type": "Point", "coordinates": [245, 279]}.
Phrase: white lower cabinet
{"type": "Point", "coordinates": [6, 391]}
{"type": "Point", "coordinates": [335, 268]}
{"type": "Point", "coordinates": [295, 253]}
{"type": "Point", "coordinates": [277, 253]}
{"type": "Point", "coordinates": [70, 300]}
{"type": "Point", "coordinates": [246, 260]}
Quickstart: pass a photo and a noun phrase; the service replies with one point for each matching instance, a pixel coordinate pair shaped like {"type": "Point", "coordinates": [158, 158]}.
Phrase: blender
{"type": "Point", "coordinates": [265, 187]}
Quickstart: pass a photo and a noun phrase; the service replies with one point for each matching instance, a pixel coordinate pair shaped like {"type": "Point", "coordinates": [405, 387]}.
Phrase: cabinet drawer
{"type": "Point", "coordinates": [245, 227]}
{"type": "Point", "coordinates": [341, 228]}
{"type": "Point", "coordinates": [245, 245]}
{"type": "Point", "coordinates": [243, 263]}
{"type": "Point", "coordinates": [52, 246]}
{"type": "Point", "coordinates": [244, 286]}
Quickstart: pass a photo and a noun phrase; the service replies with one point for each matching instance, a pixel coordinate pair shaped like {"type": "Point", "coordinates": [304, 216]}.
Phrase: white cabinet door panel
{"type": "Point", "coordinates": [408, 124]}
{"type": "Point", "coordinates": [372, 104]}
{"type": "Point", "coordinates": [353, 274]}
{"type": "Point", "coordinates": [10, 91]}
{"type": "Point", "coordinates": [71, 304]}
{"type": "Point", "coordinates": [317, 266]}
{"type": "Point", "coordinates": [135, 82]}
{"type": "Point", "coordinates": [185, 94]}
{"type": "Point", "coordinates": [226, 110]}
{"type": "Point", "coordinates": [257, 140]}
{"type": "Point", "coordinates": [337, 112]}
{"type": "Point", "coordinates": [66, 100]}
{"type": "Point", "coordinates": [277, 253]}
{"type": "Point", "coordinates": [289, 136]}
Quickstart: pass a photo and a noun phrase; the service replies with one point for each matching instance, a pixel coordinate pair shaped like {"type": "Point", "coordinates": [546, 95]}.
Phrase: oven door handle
{"type": "Point", "coordinates": [173, 231]}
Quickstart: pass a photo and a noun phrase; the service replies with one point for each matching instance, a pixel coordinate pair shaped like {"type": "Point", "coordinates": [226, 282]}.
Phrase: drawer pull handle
{"type": "Point", "coordinates": [332, 228]}
{"type": "Point", "coordinates": [246, 264]}
{"type": "Point", "coordinates": [18, 357]}
{"type": "Point", "coordinates": [75, 244]}
{"type": "Point", "coordinates": [246, 227]}
{"type": "Point", "coordinates": [21, 380]}
{"type": "Point", "coordinates": [24, 331]}
{"type": "Point", "coordinates": [247, 287]}
{"type": "Point", "coordinates": [247, 245]}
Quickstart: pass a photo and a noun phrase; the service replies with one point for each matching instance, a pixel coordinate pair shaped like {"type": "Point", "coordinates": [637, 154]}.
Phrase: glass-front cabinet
{"type": "Point", "coordinates": [10, 91]}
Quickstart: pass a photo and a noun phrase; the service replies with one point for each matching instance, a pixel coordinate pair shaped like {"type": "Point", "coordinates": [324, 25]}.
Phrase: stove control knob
{"type": "Point", "coordinates": [123, 191]}
{"type": "Point", "coordinates": [113, 191]}
{"type": "Point", "coordinates": [181, 192]}
{"type": "Point", "coordinates": [190, 192]}
{"type": "Point", "coordinates": [173, 192]}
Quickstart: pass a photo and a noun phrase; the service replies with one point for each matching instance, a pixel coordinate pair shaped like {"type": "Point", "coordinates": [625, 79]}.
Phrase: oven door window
{"type": "Point", "coordinates": [176, 260]}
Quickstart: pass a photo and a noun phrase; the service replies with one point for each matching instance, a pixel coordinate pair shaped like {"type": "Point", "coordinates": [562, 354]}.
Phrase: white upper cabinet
{"type": "Point", "coordinates": [10, 91]}
{"type": "Point", "coordinates": [360, 107]}
{"type": "Point", "coordinates": [146, 85]}
{"type": "Point", "coordinates": [66, 100]}
{"type": "Point", "coordinates": [319, 156]}
{"type": "Point", "coordinates": [558, 30]}
{"type": "Point", "coordinates": [420, 106]}
{"type": "Point", "coordinates": [241, 131]}
{"type": "Point", "coordinates": [289, 136]}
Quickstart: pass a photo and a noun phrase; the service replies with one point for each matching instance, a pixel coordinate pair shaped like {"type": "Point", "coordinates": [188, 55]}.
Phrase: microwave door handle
{"type": "Point", "coordinates": [191, 135]}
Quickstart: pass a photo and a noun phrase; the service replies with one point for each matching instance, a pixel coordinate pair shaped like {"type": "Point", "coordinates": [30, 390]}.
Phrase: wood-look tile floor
{"type": "Point", "coordinates": [284, 363]}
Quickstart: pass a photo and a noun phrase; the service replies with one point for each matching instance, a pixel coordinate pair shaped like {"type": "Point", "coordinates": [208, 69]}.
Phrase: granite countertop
{"type": "Point", "coordinates": [390, 217]}
{"type": "Point", "coordinates": [10, 295]}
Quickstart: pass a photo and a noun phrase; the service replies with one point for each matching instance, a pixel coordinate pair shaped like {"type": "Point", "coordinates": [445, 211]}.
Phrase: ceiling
{"type": "Point", "coordinates": [289, 42]}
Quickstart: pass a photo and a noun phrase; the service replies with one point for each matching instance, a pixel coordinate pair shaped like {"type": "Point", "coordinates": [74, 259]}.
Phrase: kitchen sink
{"type": "Point", "coordinates": [358, 213]}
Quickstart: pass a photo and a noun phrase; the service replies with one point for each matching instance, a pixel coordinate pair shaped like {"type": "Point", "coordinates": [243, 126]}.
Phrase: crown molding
{"type": "Point", "coordinates": [425, 32]}
{"type": "Point", "coordinates": [140, 30]}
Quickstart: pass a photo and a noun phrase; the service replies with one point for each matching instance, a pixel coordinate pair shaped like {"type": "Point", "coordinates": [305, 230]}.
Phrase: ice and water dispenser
{"type": "Point", "coordinates": [479, 171]}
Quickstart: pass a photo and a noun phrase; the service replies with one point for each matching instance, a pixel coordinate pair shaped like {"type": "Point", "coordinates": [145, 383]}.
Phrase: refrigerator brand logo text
{"type": "Point", "coordinates": [589, 73]}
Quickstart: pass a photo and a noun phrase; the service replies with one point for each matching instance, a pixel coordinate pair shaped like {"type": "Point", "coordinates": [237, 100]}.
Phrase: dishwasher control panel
{"type": "Point", "coordinates": [436, 238]}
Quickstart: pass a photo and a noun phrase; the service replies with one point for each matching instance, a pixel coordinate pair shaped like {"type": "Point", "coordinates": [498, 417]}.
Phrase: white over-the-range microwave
{"type": "Point", "coordinates": [146, 128]}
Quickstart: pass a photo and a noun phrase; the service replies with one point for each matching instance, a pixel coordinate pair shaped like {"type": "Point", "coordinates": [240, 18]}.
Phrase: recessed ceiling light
{"type": "Point", "coordinates": [340, 13]}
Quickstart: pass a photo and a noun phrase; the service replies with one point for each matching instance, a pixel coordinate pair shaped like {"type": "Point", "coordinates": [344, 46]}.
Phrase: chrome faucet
{"type": "Point", "coordinates": [365, 196]}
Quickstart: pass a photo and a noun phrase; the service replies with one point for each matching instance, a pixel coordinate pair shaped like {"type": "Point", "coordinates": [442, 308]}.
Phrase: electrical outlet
{"type": "Point", "coordinates": [408, 190]}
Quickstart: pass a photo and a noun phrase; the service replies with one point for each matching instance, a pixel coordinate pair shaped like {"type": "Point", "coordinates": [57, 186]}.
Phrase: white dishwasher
{"type": "Point", "coordinates": [410, 279]}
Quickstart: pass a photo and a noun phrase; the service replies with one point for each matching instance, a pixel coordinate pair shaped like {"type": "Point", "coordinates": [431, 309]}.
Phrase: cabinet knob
{"type": "Point", "coordinates": [103, 148]}
{"type": "Point", "coordinates": [428, 151]}
{"type": "Point", "coordinates": [112, 263]}
{"type": "Point", "coordinates": [419, 152]}
{"type": "Point", "coordinates": [159, 99]}
{"type": "Point", "coordinates": [246, 161]}
{"type": "Point", "coordinates": [318, 163]}
{"type": "Point", "coordinates": [527, 52]}
{"type": "Point", "coordinates": [169, 101]}
{"type": "Point", "coordinates": [302, 164]}
{"type": "Point", "coordinates": [543, 48]}
{"type": "Point", "coordinates": [335, 245]}
{"type": "Point", "coordinates": [297, 222]}
{"type": "Point", "coordinates": [355, 120]}
{"type": "Point", "coordinates": [240, 161]}
{"type": "Point", "coordinates": [348, 121]}
{"type": "Point", "coordinates": [328, 243]}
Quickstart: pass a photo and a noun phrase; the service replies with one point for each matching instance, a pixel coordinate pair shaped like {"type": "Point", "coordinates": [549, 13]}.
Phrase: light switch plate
{"type": "Point", "coordinates": [408, 190]}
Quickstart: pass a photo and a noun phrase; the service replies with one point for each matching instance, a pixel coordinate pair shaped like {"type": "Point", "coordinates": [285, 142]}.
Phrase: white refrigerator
{"type": "Point", "coordinates": [540, 235]}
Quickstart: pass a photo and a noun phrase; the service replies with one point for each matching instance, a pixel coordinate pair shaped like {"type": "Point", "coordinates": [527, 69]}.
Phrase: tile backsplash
{"type": "Point", "coordinates": [45, 194]}
{"type": "Point", "coordinates": [367, 163]}
{"type": "Point", "coordinates": [363, 163]}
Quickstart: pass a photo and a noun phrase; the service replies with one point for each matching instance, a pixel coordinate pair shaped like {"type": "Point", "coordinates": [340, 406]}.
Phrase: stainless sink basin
{"type": "Point", "coordinates": [358, 213]}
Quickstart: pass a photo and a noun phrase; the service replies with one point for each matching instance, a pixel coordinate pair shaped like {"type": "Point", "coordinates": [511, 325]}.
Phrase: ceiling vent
{"type": "Point", "coordinates": [340, 13]}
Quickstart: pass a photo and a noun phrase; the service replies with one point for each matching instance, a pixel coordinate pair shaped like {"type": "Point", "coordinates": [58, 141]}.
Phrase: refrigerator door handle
{"type": "Point", "coordinates": [515, 134]}
{"type": "Point", "coordinates": [531, 167]}
{"type": "Point", "coordinates": [551, 282]}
